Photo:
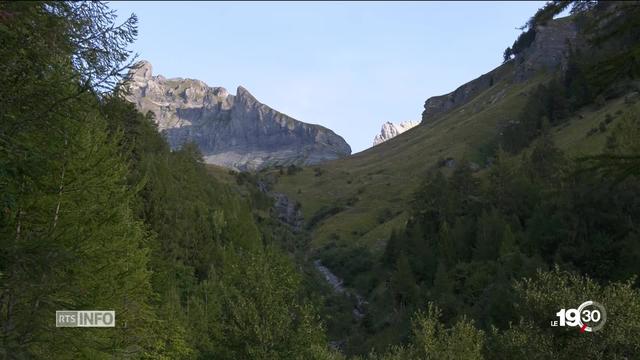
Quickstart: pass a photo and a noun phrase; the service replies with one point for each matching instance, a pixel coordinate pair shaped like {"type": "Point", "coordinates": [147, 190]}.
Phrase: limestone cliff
{"type": "Point", "coordinates": [237, 131]}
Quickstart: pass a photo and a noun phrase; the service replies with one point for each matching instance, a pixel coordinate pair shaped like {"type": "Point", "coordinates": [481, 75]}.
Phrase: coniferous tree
{"type": "Point", "coordinates": [446, 245]}
{"type": "Point", "coordinates": [69, 237]}
{"type": "Point", "coordinates": [403, 282]}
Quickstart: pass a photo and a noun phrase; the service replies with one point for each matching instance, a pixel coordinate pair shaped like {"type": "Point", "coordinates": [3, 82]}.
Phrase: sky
{"type": "Point", "coordinates": [349, 66]}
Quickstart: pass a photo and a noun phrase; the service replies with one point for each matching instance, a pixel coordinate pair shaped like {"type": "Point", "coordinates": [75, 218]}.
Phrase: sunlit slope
{"type": "Point", "coordinates": [586, 132]}
{"type": "Point", "coordinates": [373, 186]}
{"type": "Point", "coordinates": [358, 200]}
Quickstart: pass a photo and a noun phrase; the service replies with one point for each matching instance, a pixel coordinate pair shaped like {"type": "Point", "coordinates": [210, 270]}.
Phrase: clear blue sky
{"type": "Point", "coordinates": [349, 66]}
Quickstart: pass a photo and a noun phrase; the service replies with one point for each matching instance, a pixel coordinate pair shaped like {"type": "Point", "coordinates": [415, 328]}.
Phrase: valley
{"type": "Point", "coordinates": [352, 206]}
{"type": "Point", "coordinates": [216, 227]}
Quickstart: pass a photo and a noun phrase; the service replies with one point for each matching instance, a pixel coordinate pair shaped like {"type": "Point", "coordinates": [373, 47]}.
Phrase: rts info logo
{"type": "Point", "coordinates": [590, 316]}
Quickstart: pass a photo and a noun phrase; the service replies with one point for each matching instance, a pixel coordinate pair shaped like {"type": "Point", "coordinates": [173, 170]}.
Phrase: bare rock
{"type": "Point", "coordinates": [390, 130]}
{"type": "Point", "coordinates": [548, 51]}
{"type": "Point", "coordinates": [237, 132]}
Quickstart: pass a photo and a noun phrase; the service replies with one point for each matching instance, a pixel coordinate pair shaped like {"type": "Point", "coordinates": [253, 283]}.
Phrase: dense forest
{"type": "Point", "coordinates": [97, 212]}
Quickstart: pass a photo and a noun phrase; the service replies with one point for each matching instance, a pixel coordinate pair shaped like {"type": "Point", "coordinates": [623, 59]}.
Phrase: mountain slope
{"type": "Point", "coordinates": [377, 183]}
{"type": "Point", "coordinates": [369, 191]}
{"type": "Point", "coordinates": [237, 131]}
{"type": "Point", "coordinates": [401, 234]}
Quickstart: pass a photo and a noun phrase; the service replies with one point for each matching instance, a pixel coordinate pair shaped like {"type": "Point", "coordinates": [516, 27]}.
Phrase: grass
{"type": "Point", "coordinates": [221, 174]}
{"type": "Point", "coordinates": [385, 176]}
{"type": "Point", "coordinates": [573, 138]}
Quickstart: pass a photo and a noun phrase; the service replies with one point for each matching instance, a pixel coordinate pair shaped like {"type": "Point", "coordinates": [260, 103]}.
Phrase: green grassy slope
{"type": "Point", "coordinates": [374, 185]}
{"type": "Point", "coordinates": [574, 136]}
{"type": "Point", "coordinates": [369, 191]}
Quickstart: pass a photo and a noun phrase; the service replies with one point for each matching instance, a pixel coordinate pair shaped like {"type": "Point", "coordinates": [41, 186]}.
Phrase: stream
{"type": "Point", "coordinates": [338, 288]}
{"type": "Point", "coordinates": [290, 214]}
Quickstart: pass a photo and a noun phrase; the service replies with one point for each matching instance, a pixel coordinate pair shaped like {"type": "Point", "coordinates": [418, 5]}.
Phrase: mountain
{"type": "Point", "coordinates": [569, 91]}
{"type": "Point", "coordinates": [461, 124]}
{"type": "Point", "coordinates": [390, 130]}
{"type": "Point", "coordinates": [234, 131]}
{"type": "Point", "coordinates": [548, 51]}
{"type": "Point", "coordinates": [403, 251]}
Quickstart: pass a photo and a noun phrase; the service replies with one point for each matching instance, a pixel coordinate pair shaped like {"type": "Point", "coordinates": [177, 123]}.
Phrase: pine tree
{"type": "Point", "coordinates": [465, 189]}
{"type": "Point", "coordinates": [489, 233]}
{"type": "Point", "coordinates": [446, 245]}
{"type": "Point", "coordinates": [442, 283]}
{"type": "Point", "coordinates": [392, 248]}
{"type": "Point", "coordinates": [69, 237]}
{"type": "Point", "coordinates": [508, 245]}
{"type": "Point", "coordinates": [77, 246]}
{"type": "Point", "coordinates": [403, 283]}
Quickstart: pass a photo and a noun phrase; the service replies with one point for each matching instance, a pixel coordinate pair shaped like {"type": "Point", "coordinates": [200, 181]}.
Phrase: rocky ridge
{"type": "Point", "coordinates": [549, 50]}
{"type": "Point", "coordinates": [234, 131]}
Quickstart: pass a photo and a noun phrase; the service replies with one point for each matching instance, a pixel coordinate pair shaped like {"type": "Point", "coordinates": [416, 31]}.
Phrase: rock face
{"type": "Point", "coordinates": [437, 105]}
{"type": "Point", "coordinates": [390, 130]}
{"type": "Point", "coordinates": [549, 50]}
{"type": "Point", "coordinates": [237, 132]}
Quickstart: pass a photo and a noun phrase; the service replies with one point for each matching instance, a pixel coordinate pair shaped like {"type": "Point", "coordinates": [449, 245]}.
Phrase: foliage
{"type": "Point", "coordinates": [537, 300]}
{"type": "Point", "coordinates": [99, 213]}
{"type": "Point", "coordinates": [69, 237]}
{"type": "Point", "coordinates": [431, 339]}
{"type": "Point", "coordinates": [261, 316]}
{"type": "Point", "coordinates": [524, 40]}
{"type": "Point", "coordinates": [607, 72]}
{"type": "Point", "coordinates": [540, 297]}
{"type": "Point", "coordinates": [465, 243]}
{"type": "Point", "coordinates": [323, 213]}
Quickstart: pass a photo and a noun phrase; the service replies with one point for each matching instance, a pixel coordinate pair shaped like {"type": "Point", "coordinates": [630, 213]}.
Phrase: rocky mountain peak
{"type": "Point", "coordinates": [245, 97]}
{"type": "Point", "coordinates": [143, 71]}
{"type": "Point", "coordinates": [235, 131]}
{"type": "Point", "coordinates": [241, 91]}
{"type": "Point", "coordinates": [390, 130]}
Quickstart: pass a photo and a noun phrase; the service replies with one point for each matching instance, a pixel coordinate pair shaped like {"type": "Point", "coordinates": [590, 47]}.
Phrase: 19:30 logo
{"type": "Point", "coordinates": [590, 316]}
